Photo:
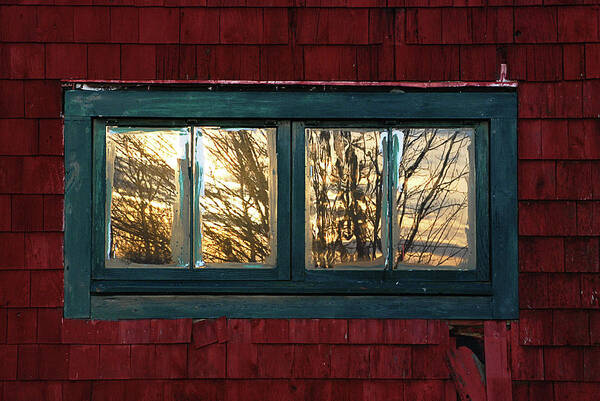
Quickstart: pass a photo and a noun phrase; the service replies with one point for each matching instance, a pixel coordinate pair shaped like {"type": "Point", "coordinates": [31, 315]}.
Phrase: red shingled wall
{"type": "Point", "coordinates": [551, 47]}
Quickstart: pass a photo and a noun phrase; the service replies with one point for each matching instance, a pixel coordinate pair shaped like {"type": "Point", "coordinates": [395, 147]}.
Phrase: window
{"type": "Point", "coordinates": [290, 204]}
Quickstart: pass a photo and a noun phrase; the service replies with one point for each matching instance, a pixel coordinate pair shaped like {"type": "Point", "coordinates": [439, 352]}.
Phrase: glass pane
{"type": "Point", "coordinates": [147, 197]}
{"type": "Point", "coordinates": [344, 198]}
{"type": "Point", "coordinates": [434, 210]}
{"type": "Point", "coordinates": [236, 192]}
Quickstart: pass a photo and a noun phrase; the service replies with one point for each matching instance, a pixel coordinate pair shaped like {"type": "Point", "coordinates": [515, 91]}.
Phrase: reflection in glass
{"type": "Point", "coordinates": [434, 211]}
{"type": "Point", "coordinates": [344, 192]}
{"type": "Point", "coordinates": [147, 197]}
{"type": "Point", "coordinates": [235, 188]}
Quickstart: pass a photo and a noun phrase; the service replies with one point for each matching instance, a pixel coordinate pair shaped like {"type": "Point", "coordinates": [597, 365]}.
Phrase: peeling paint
{"type": "Point", "coordinates": [199, 161]}
{"type": "Point", "coordinates": [383, 141]}
{"type": "Point", "coordinates": [97, 85]}
{"type": "Point", "coordinates": [503, 73]}
{"type": "Point", "coordinates": [397, 154]}
{"type": "Point", "coordinates": [73, 182]}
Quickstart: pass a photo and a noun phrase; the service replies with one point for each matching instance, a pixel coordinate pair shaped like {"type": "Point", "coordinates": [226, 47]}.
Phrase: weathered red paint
{"type": "Point", "coordinates": [466, 371]}
{"type": "Point", "coordinates": [550, 52]}
{"type": "Point", "coordinates": [333, 83]}
{"type": "Point", "coordinates": [497, 365]}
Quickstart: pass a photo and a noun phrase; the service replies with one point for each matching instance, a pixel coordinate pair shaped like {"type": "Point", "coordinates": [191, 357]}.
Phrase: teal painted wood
{"type": "Point", "coordinates": [284, 199]}
{"type": "Point", "coordinates": [345, 274]}
{"type": "Point", "coordinates": [433, 275]}
{"type": "Point", "coordinates": [391, 161]}
{"type": "Point", "coordinates": [182, 273]}
{"type": "Point", "coordinates": [292, 287]}
{"type": "Point", "coordinates": [498, 108]}
{"type": "Point", "coordinates": [482, 203]}
{"type": "Point", "coordinates": [98, 196]}
{"type": "Point", "coordinates": [504, 217]}
{"type": "Point", "coordinates": [289, 105]}
{"type": "Point", "coordinates": [265, 306]}
{"type": "Point", "coordinates": [298, 203]}
{"type": "Point", "coordinates": [78, 223]}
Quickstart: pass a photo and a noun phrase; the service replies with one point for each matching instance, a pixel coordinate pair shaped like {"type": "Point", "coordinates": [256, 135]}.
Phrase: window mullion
{"type": "Point", "coordinates": [192, 178]}
{"type": "Point", "coordinates": [389, 185]}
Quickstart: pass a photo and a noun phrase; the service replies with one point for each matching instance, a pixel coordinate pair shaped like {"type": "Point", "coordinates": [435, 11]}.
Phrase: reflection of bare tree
{"type": "Point", "coordinates": [236, 227]}
{"type": "Point", "coordinates": [432, 203]}
{"type": "Point", "coordinates": [143, 190]}
{"type": "Point", "coordinates": [433, 207]}
{"type": "Point", "coordinates": [345, 172]}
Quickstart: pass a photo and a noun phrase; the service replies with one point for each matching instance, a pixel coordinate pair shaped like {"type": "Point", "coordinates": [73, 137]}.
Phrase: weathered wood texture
{"type": "Point", "coordinates": [497, 366]}
{"type": "Point", "coordinates": [468, 374]}
{"type": "Point", "coordinates": [286, 105]}
{"type": "Point", "coordinates": [78, 238]}
{"type": "Point", "coordinates": [271, 306]}
{"type": "Point", "coordinates": [551, 47]}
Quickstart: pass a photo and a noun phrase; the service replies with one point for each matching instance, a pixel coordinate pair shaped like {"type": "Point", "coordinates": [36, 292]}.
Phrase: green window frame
{"type": "Point", "coordinates": [289, 289]}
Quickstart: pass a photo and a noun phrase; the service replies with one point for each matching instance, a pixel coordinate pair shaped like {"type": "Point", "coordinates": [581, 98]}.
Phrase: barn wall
{"type": "Point", "coordinates": [552, 49]}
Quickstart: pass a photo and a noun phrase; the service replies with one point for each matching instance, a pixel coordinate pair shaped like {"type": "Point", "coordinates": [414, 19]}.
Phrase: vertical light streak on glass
{"type": "Point", "coordinates": [385, 195]}
{"type": "Point", "coordinates": [345, 204]}
{"type": "Point", "coordinates": [397, 154]}
{"type": "Point", "coordinates": [147, 197]}
{"type": "Point", "coordinates": [236, 201]}
{"type": "Point", "coordinates": [110, 174]}
{"type": "Point", "coordinates": [396, 150]}
{"type": "Point", "coordinates": [434, 201]}
{"type": "Point", "coordinates": [198, 174]}
{"type": "Point", "coordinates": [272, 185]}
{"type": "Point", "coordinates": [472, 218]}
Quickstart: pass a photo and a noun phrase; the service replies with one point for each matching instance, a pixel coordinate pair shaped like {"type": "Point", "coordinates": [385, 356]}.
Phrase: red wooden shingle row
{"type": "Point", "coordinates": [573, 362]}
{"type": "Point", "coordinates": [30, 325]}
{"type": "Point", "coordinates": [562, 180]}
{"type": "Point", "coordinates": [304, 3]}
{"type": "Point", "coordinates": [35, 250]}
{"type": "Point", "coordinates": [559, 290]}
{"type": "Point", "coordinates": [31, 99]}
{"type": "Point", "coordinates": [249, 25]}
{"type": "Point", "coordinates": [39, 345]}
{"type": "Point", "coordinates": [559, 139]}
{"type": "Point", "coordinates": [219, 361]}
{"type": "Point", "coordinates": [36, 288]}
{"type": "Point", "coordinates": [549, 391]}
{"type": "Point", "coordinates": [320, 331]}
{"type": "Point", "coordinates": [144, 25]}
{"type": "Point", "coordinates": [559, 327]}
{"type": "Point", "coordinates": [557, 254]}
{"type": "Point", "coordinates": [569, 218]}
{"type": "Point", "coordinates": [380, 62]}
{"type": "Point", "coordinates": [229, 390]}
